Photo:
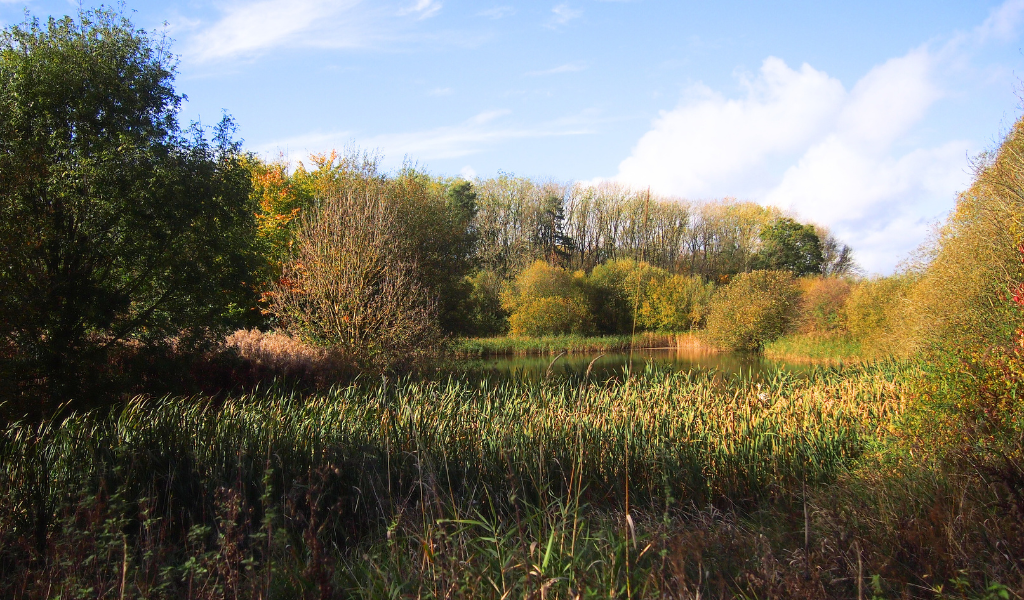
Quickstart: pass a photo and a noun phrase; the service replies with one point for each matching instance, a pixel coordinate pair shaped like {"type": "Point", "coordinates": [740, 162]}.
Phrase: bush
{"type": "Point", "coordinates": [876, 314]}
{"type": "Point", "coordinates": [352, 281]}
{"type": "Point", "coordinates": [752, 310]}
{"type": "Point", "coordinates": [617, 290]}
{"type": "Point", "coordinates": [676, 303]}
{"type": "Point", "coordinates": [543, 292]}
{"type": "Point", "coordinates": [822, 305]}
{"type": "Point", "coordinates": [551, 316]}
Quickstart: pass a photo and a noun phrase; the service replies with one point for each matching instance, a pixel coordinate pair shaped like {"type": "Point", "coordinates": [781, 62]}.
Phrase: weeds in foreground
{"type": "Point", "coordinates": [459, 489]}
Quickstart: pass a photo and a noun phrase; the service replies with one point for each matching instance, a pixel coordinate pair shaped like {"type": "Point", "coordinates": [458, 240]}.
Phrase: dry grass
{"type": "Point", "coordinates": [276, 354]}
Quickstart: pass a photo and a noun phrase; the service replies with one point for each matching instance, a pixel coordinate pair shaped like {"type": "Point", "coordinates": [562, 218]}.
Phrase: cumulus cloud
{"type": "Point", "coordinates": [710, 140]}
{"type": "Point", "coordinates": [800, 140]}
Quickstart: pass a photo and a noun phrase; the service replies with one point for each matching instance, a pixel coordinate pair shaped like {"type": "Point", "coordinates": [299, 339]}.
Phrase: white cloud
{"type": "Point", "coordinates": [245, 29]}
{"type": "Point", "coordinates": [799, 140]}
{"type": "Point", "coordinates": [440, 91]}
{"type": "Point", "coordinates": [469, 137]}
{"type": "Point", "coordinates": [249, 28]}
{"type": "Point", "coordinates": [468, 172]}
{"type": "Point", "coordinates": [566, 68]}
{"type": "Point", "coordinates": [422, 9]}
{"type": "Point", "coordinates": [562, 14]}
{"type": "Point", "coordinates": [1002, 24]}
{"type": "Point", "coordinates": [710, 142]}
{"type": "Point", "coordinates": [498, 12]}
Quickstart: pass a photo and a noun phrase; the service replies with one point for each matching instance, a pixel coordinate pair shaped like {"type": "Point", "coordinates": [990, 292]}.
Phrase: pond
{"type": "Point", "coordinates": [614, 364]}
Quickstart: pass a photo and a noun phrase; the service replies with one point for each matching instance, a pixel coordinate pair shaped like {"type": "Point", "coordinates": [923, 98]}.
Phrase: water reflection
{"type": "Point", "coordinates": [614, 364]}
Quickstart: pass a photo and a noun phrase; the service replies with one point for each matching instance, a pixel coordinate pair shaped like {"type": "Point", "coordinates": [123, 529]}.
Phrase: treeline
{"type": "Point", "coordinates": [126, 236]}
{"type": "Point", "coordinates": [579, 226]}
{"type": "Point", "coordinates": [505, 255]}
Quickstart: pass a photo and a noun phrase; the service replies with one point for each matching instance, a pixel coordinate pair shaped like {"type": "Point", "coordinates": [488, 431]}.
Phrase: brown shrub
{"type": "Point", "coordinates": [351, 282]}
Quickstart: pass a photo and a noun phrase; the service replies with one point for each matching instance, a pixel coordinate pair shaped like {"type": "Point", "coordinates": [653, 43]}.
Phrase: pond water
{"type": "Point", "coordinates": [614, 364]}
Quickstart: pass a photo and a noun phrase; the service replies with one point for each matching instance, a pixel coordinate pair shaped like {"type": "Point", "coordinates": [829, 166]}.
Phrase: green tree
{"type": "Point", "coordinates": [115, 225]}
{"type": "Point", "coordinates": [676, 303]}
{"type": "Point", "coordinates": [789, 246]}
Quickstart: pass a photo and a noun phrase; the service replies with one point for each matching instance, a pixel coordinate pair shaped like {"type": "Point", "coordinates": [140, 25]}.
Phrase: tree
{"type": "Point", "coordinates": [789, 246]}
{"type": "Point", "coordinates": [351, 283]}
{"type": "Point", "coordinates": [115, 225]}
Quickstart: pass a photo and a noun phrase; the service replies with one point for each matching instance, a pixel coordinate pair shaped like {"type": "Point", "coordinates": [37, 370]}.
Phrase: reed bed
{"type": "Point", "coordinates": [336, 471]}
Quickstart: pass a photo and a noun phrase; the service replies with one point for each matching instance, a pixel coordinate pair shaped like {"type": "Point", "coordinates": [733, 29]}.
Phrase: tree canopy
{"type": "Point", "coordinates": [115, 224]}
{"type": "Point", "coordinates": [791, 246]}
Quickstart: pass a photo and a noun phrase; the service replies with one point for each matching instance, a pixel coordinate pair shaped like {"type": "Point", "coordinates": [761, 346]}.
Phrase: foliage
{"type": "Point", "coordinates": [675, 304]}
{"type": "Point", "coordinates": [550, 316]}
{"type": "Point", "coordinates": [971, 269]}
{"type": "Point", "coordinates": [789, 246]}
{"type": "Point", "coordinates": [836, 257]}
{"type": "Point", "coordinates": [752, 310]}
{"type": "Point", "coordinates": [115, 226]}
{"type": "Point", "coordinates": [580, 226]}
{"type": "Point", "coordinates": [484, 314]}
{"type": "Point", "coordinates": [545, 299]}
{"type": "Point", "coordinates": [821, 308]}
{"type": "Point", "coordinates": [617, 290]}
{"type": "Point", "coordinates": [351, 282]}
{"type": "Point", "coordinates": [877, 314]}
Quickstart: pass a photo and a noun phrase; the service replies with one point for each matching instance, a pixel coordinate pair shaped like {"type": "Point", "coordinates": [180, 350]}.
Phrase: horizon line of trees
{"type": "Point", "coordinates": [125, 234]}
{"type": "Point", "coordinates": [466, 246]}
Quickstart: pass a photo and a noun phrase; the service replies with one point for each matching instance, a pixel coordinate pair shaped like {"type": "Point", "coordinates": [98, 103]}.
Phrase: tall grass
{"type": "Point", "coordinates": [332, 473]}
{"type": "Point", "coordinates": [817, 347]}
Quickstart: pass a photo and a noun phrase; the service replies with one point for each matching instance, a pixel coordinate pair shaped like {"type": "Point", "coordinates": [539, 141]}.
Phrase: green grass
{"type": "Point", "coordinates": [814, 347]}
{"type": "Point", "coordinates": [511, 346]}
{"type": "Point", "coordinates": [350, 490]}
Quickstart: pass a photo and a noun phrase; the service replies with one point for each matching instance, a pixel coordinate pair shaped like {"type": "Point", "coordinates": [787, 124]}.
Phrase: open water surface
{"type": "Point", "coordinates": [615, 364]}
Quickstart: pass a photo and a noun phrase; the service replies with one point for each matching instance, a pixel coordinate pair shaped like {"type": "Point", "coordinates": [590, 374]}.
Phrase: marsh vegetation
{"type": "Point", "coordinates": [221, 374]}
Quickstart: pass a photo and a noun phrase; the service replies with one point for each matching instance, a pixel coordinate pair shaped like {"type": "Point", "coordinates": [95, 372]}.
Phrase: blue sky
{"type": "Point", "coordinates": [858, 116]}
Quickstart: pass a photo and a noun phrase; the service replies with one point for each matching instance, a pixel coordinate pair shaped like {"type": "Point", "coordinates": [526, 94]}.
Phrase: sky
{"type": "Point", "coordinates": [863, 117]}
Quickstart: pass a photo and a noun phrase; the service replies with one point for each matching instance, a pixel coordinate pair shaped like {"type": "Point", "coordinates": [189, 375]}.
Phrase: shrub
{"type": "Point", "coordinates": [876, 314]}
{"type": "Point", "coordinates": [550, 316]}
{"type": "Point", "coordinates": [822, 305]}
{"type": "Point", "coordinates": [617, 289]}
{"type": "Point", "coordinates": [544, 292]}
{"type": "Point", "coordinates": [351, 282]}
{"type": "Point", "coordinates": [676, 303]}
{"type": "Point", "coordinates": [752, 310]}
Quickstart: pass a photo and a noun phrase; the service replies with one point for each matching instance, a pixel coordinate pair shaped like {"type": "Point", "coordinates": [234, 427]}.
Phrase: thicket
{"type": "Point", "coordinates": [753, 309]}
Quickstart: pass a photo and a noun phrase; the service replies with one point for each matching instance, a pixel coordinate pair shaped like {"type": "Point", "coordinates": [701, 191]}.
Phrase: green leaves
{"type": "Point", "coordinates": [115, 225]}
